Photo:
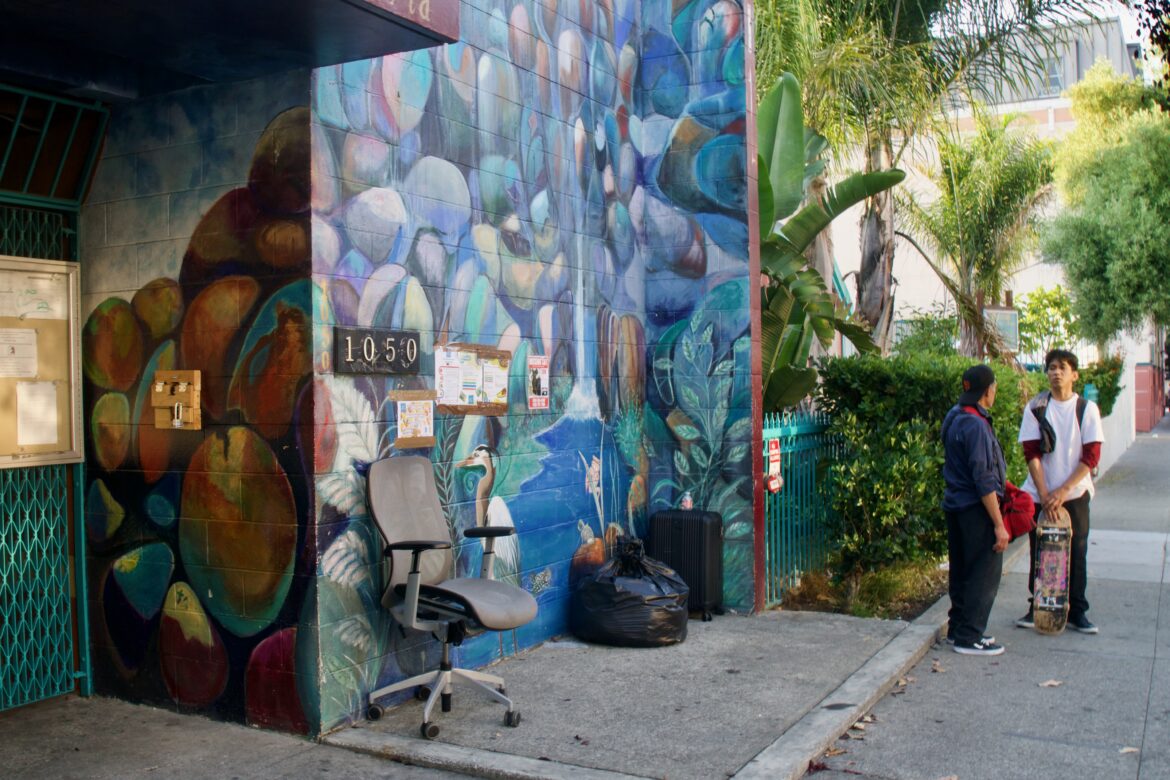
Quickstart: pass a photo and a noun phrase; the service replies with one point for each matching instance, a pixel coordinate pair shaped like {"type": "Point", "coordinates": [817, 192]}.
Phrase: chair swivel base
{"type": "Point", "coordinates": [440, 683]}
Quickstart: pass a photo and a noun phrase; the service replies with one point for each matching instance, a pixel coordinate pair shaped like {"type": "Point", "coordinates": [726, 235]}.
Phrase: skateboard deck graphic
{"type": "Point", "coordinates": [1050, 590]}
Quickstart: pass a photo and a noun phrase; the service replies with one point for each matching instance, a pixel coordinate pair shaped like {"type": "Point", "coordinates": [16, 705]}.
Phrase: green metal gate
{"type": "Point", "coordinates": [49, 147]}
{"type": "Point", "coordinates": [36, 617]}
{"type": "Point", "coordinates": [795, 535]}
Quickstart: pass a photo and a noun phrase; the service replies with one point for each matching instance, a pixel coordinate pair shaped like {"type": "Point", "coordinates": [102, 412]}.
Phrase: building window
{"type": "Point", "coordinates": [1052, 81]}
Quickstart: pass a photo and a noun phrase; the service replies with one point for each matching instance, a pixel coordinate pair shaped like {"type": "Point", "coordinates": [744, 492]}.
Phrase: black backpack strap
{"type": "Point", "coordinates": [1081, 404]}
{"type": "Point", "coordinates": [1039, 405]}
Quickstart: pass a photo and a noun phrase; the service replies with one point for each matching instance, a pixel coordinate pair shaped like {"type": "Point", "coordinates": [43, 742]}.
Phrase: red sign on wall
{"type": "Point", "coordinates": [438, 16]}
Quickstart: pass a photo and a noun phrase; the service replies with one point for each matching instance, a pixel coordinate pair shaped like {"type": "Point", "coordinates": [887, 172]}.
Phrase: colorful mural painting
{"type": "Point", "coordinates": [568, 182]}
{"type": "Point", "coordinates": [201, 541]}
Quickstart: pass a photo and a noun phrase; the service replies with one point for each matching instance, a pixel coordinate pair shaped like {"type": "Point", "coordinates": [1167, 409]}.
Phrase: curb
{"type": "Point", "coordinates": [788, 758]}
{"type": "Point", "coordinates": [454, 758]}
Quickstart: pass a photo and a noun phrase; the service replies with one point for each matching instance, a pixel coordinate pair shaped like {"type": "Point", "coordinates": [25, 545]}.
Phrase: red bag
{"type": "Point", "coordinates": [1018, 510]}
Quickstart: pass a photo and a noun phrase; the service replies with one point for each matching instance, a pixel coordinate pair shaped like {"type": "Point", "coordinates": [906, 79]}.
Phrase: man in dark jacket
{"type": "Point", "coordinates": [974, 472]}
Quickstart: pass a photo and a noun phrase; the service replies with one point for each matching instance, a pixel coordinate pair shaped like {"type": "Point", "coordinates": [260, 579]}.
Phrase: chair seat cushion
{"type": "Point", "coordinates": [495, 605]}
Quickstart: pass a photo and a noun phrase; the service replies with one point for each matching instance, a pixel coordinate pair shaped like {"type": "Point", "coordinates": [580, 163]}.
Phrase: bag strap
{"type": "Point", "coordinates": [1039, 407]}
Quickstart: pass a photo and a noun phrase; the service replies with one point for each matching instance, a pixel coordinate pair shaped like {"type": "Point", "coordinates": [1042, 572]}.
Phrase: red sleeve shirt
{"type": "Point", "coordinates": [1090, 453]}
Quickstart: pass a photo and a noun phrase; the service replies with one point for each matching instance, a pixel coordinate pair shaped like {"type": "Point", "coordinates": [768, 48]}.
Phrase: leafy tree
{"type": "Point", "coordinates": [1102, 104]}
{"type": "Point", "coordinates": [1047, 321]}
{"type": "Point", "coordinates": [989, 189]}
{"type": "Point", "coordinates": [881, 68]}
{"type": "Point", "coordinates": [932, 332]}
{"type": "Point", "coordinates": [1115, 245]}
{"type": "Point", "coordinates": [1153, 18]}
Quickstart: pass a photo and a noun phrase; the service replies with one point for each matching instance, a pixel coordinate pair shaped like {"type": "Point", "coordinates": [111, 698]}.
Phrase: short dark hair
{"type": "Point", "coordinates": [1062, 355]}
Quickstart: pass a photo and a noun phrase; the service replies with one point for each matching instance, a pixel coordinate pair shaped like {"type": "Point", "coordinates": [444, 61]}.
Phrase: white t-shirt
{"type": "Point", "coordinates": [1062, 461]}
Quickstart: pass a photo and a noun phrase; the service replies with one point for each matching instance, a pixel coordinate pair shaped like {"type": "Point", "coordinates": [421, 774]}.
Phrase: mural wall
{"type": "Point", "coordinates": [196, 255]}
{"type": "Point", "coordinates": [567, 182]}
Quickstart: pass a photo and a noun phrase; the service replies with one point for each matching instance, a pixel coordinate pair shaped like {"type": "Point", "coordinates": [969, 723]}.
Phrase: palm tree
{"type": "Point", "coordinates": [876, 71]}
{"type": "Point", "coordinates": [982, 223]}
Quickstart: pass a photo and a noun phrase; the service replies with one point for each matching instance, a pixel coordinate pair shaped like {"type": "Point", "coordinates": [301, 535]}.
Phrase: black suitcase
{"type": "Point", "coordinates": [691, 542]}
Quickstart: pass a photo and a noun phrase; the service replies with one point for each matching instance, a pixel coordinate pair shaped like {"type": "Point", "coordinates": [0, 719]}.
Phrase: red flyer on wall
{"type": "Point", "coordinates": [537, 382]}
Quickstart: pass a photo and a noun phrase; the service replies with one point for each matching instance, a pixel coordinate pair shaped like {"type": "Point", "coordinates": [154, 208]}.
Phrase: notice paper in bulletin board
{"type": "Point", "coordinates": [40, 364]}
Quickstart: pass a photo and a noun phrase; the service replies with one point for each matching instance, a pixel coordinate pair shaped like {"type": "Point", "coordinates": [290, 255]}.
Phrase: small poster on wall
{"type": "Point", "coordinates": [448, 375]}
{"type": "Point", "coordinates": [416, 418]}
{"type": "Point", "coordinates": [495, 381]}
{"type": "Point", "coordinates": [537, 381]}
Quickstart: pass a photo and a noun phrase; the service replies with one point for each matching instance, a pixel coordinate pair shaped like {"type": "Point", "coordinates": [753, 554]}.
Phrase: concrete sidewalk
{"type": "Point", "coordinates": [743, 697]}
{"type": "Point", "coordinates": [1070, 706]}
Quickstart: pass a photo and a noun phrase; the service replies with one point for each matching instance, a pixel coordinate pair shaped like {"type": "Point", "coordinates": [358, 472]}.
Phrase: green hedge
{"type": "Point", "coordinates": [1105, 375]}
{"type": "Point", "coordinates": [887, 492]}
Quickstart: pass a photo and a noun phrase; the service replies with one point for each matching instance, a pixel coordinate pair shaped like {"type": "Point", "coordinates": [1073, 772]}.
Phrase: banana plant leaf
{"type": "Point", "coordinates": [801, 229]}
{"type": "Point", "coordinates": [780, 137]}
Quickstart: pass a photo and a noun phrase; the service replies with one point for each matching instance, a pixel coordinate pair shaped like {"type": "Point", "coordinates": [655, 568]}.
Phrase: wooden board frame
{"type": "Point", "coordinates": [43, 297]}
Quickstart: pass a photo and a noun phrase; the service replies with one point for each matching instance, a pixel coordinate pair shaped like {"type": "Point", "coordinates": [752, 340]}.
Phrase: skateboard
{"type": "Point", "coordinates": [1050, 590]}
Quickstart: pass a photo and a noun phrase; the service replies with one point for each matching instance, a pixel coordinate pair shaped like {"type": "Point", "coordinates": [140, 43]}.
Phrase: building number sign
{"type": "Point", "coordinates": [372, 351]}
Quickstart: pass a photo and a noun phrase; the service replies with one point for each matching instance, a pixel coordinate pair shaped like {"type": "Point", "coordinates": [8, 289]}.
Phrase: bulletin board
{"type": "Point", "coordinates": [40, 363]}
{"type": "Point", "coordinates": [472, 379]}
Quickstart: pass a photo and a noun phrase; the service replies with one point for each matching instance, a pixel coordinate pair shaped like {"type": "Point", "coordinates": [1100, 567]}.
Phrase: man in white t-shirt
{"type": "Point", "coordinates": [1061, 456]}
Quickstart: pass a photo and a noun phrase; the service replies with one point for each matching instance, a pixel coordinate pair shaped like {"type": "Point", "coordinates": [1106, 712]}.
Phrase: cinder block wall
{"type": "Point", "coordinates": [195, 254]}
{"type": "Point", "coordinates": [568, 181]}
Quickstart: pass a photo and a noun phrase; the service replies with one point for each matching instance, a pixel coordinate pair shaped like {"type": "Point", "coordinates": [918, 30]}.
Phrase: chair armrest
{"type": "Point", "coordinates": [416, 546]}
{"type": "Point", "coordinates": [490, 531]}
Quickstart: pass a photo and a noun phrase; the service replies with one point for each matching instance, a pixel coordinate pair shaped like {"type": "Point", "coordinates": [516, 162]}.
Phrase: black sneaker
{"type": "Point", "coordinates": [1083, 625]}
{"type": "Point", "coordinates": [978, 648]}
{"type": "Point", "coordinates": [987, 640]}
{"type": "Point", "coordinates": [1026, 621]}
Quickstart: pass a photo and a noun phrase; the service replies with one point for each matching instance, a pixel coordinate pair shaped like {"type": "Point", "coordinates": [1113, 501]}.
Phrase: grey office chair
{"type": "Point", "coordinates": [420, 593]}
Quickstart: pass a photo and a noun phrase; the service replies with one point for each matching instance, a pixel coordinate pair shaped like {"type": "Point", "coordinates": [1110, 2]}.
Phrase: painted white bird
{"type": "Point", "coordinates": [492, 511]}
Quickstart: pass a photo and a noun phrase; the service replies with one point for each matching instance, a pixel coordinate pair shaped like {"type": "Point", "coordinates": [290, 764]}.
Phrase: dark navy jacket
{"type": "Point", "coordinates": [974, 463]}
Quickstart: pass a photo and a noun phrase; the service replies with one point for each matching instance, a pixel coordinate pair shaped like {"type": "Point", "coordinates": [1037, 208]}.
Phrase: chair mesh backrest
{"type": "Point", "coordinates": [405, 505]}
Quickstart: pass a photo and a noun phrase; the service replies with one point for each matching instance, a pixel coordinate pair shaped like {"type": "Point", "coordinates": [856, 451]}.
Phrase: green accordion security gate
{"type": "Point", "coordinates": [36, 617]}
{"type": "Point", "coordinates": [43, 652]}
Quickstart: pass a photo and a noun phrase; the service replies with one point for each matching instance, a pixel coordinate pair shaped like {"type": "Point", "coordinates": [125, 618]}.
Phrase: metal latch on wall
{"type": "Point", "coordinates": [175, 398]}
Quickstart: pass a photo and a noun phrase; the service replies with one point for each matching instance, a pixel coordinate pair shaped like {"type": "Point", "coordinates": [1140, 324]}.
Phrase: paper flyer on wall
{"type": "Point", "coordinates": [472, 376]}
{"type": "Point", "coordinates": [448, 376]}
{"type": "Point", "coordinates": [416, 419]}
{"type": "Point", "coordinates": [537, 382]}
{"type": "Point", "coordinates": [18, 353]}
{"type": "Point", "coordinates": [495, 381]}
{"type": "Point", "coordinates": [36, 413]}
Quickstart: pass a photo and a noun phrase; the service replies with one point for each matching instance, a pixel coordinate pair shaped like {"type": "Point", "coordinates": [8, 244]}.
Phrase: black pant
{"type": "Point", "coordinates": [1078, 575]}
{"type": "Point", "coordinates": [975, 572]}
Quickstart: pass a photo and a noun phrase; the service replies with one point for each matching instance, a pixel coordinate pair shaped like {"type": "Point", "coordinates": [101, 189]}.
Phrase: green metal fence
{"type": "Point", "coordinates": [796, 540]}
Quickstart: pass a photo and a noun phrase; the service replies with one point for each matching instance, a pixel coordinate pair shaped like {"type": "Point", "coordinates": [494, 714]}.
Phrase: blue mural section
{"type": "Point", "coordinates": [568, 181]}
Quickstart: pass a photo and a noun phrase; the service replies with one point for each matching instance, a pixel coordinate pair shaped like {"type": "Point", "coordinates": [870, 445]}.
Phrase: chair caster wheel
{"type": "Point", "coordinates": [375, 712]}
{"type": "Point", "coordinates": [512, 718]}
{"type": "Point", "coordinates": [429, 730]}
{"type": "Point", "coordinates": [422, 693]}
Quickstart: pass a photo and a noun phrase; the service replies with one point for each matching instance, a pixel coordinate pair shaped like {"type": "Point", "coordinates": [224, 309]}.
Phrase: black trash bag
{"type": "Point", "coordinates": [631, 601]}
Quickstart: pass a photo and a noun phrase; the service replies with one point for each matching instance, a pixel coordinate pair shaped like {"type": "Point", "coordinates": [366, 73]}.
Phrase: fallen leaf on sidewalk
{"type": "Point", "coordinates": [936, 667]}
{"type": "Point", "coordinates": [858, 726]}
{"type": "Point", "coordinates": [835, 751]}
{"type": "Point", "coordinates": [1051, 684]}
{"type": "Point", "coordinates": [949, 777]}
{"type": "Point", "coordinates": [1125, 750]}
{"type": "Point", "coordinates": [869, 718]}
